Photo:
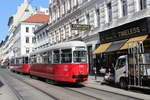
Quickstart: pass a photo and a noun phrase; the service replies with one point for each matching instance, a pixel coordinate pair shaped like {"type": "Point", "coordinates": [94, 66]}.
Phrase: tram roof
{"type": "Point", "coordinates": [63, 45]}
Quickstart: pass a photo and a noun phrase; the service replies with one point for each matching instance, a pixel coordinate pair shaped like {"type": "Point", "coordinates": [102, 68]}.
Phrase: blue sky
{"type": "Point", "coordinates": [8, 8]}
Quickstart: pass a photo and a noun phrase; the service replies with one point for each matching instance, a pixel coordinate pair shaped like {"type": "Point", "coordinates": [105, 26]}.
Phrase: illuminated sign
{"type": "Point", "coordinates": [80, 27]}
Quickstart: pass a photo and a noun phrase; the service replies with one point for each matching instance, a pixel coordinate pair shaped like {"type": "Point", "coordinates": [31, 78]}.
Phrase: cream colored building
{"type": "Point", "coordinates": [100, 14]}
{"type": "Point", "coordinates": [1, 52]}
{"type": "Point", "coordinates": [23, 11]}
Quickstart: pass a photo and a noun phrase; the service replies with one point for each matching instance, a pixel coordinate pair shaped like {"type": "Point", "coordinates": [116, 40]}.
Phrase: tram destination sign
{"type": "Point", "coordinates": [80, 27]}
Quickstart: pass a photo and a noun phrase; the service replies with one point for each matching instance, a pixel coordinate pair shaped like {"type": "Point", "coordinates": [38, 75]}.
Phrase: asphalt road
{"type": "Point", "coordinates": [25, 88]}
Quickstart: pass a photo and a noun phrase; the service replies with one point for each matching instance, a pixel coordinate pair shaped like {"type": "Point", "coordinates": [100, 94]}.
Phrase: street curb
{"type": "Point", "coordinates": [119, 91]}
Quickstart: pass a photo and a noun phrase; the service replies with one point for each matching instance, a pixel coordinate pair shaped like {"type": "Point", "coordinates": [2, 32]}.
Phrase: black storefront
{"type": "Point", "coordinates": [114, 41]}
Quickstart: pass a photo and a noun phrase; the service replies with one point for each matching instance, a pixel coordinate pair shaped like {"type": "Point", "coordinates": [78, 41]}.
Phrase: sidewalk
{"type": "Point", "coordinates": [5, 92]}
{"type": "Point", "coordinates": [97, 84]}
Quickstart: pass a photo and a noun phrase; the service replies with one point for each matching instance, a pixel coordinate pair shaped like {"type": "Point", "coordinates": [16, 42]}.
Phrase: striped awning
{"type": "Point", "coordinates": [131, 43]}
{"type": "Point", "coordinates": [102, 48]}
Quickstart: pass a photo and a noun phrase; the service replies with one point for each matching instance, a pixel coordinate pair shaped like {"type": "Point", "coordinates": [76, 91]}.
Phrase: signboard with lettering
{"type": "Point", "coordinates": [80, 27]}
{"type": "Point", "coordinates": [136, 28]}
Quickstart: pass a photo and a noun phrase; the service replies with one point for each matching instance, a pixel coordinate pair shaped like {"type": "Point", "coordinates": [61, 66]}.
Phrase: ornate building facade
{"type": "Point", "coordinates": [101, 15]}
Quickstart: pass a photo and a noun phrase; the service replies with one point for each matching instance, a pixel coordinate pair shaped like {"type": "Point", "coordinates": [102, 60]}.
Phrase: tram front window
{"type": "Point", "coordinates": [79, 56]}
{"type": "Point", "coordinates": [66, 56]}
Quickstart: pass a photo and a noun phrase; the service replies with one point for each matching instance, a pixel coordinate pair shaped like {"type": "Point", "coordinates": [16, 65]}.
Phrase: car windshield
{"type": "Point", "coordinates": [79, 56]}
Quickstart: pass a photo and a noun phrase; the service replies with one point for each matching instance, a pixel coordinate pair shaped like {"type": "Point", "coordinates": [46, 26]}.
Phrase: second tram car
{"type": "Point", "coordinates": [65, 62]}
{"type": "Point", "coordinates": [20, 64]}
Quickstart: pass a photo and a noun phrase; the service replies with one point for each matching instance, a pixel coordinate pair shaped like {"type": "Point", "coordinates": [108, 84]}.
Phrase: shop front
{"type": "Point", "coordinates": [118, 41]}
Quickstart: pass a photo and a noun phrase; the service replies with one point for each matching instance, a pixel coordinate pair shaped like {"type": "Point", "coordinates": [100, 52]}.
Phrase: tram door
{"type": "Point", "coordinates": [90, 60]}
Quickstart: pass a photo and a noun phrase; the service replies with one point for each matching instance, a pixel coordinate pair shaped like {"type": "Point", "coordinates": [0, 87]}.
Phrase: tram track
{"type": "Point", "coordinates": [84, 94]}
{"type": "Point", "coordinates": [115, 93]}
{"type": "Point", "coordinates": [17, 94]}
{"type": "Point", "coordinates": [22, 80]}
{"type": "Point", "coordinates": [97, 91]}
{"type": "Point", "coordinates": [95, 98]}
{"type": "Point", "coordinates": [82, 91]}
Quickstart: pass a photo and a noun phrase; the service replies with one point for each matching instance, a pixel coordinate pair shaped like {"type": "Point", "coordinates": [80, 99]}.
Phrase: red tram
{"type": "Point", "coordinates": [20, 64]}
{"type": "Point", "coordinates": [65, 62]}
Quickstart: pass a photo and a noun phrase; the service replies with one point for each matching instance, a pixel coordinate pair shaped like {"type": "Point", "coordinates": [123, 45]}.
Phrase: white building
{"type": "Point", "coordinates": [21, 29]}
{"type": "Point", "coordinates": [41, 39]}
{"type": "Point", "coordinates": [1, 52]}
{"type": "Point", "coordinates": [100, 14]}
{"type": "Point", "coordinates": [23, 12]}
{"type": "Point", "coordinates": [25, 32]}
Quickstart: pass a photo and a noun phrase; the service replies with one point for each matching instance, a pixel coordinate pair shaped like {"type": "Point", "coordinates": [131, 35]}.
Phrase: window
{"type": "Point", "coordinates": [56, 56]}
{"type": "Point", "coordinates": [39, 59]}
{"type": "Point", "coordinates": [33, 59]}
{"type": "Point", "coordinates": [66, 56]}
{"type": "Point", "coordinates": [83, 1]}
{"type": "Point", "coordinates": [79, 56]}
{"type": "Point", "coordinates": [27, 39]}
{"type": "Point", "coordinates": [109, 12]}
{"type": "Point", "coordinates": [87, 18]}
{"type": "Point", "coordinates": [27, 29]}
{"type": "Point", "coordinates": [124, 7]}
{"type": "Point", "coordinates": [27, 50]}
{"type": "Point", "coordinates": [25, 60]}
{"type": "Point", "coordinates": [34, 40]}
{"type": "Point", "coordinates": [18, 61]}
{"type": "Point", "coordinates": [33, 29]}
{"type": "Point", "coordinates": [45, 58]}
{"type": "Point", "coordinates": [143, 4]}
{"type": "Point", "coordinates": [121, 63]}
{"type": "Point", "coordinates": [98, 17]}
{"type": "Point", "coordinates": [50, 58]}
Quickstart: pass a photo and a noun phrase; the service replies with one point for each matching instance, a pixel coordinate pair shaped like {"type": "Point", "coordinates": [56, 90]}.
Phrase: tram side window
{"type": "Point", "coordinates": [45, 58]}
{"type": "Point", "coordinates": [33, 59]}
{"type": "Point", "coordinates": [39, 59]}
{"type": "Point", "coordinates": [13, 61]}
{"type": "Point", "coordinates": [79, 56]}
{"type": "Point", "coordinates": [50, 58]}
{"type": "Point", "coordinates": [25, 60]}
{"type": "Point", "coordinates": [18, 61]}
{"type": "Point", "coordinates": [66, 56]}
{"type": "Point", "coordinates": [56, 56]}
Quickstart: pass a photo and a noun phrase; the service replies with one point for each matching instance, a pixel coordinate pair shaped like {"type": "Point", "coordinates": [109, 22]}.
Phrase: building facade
{"type": "Point", "coordinates": [1, 52]}
{"type": "Point", "coordinates": [21, 30]}
{"type": "Point", "coordinates": [23, 38]}
{"type": "Point", "coordinates": [101, 15]}
{"type": "Point", "coordinates": [41, 38]}
{"type": "Point", "coordinates": [23, 11]}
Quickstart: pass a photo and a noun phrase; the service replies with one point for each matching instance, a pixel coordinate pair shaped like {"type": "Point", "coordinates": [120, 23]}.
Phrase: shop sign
{"type": "Point", "coordinates": [80, 27]}
{"type": "Point", "coordinates": [136, 28]}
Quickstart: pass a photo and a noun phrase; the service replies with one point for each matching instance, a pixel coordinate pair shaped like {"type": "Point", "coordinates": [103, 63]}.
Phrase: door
{"type": "Point", "coordinates": [120, 68]}
{"type": "Point", "coordinates": [90, 60]}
